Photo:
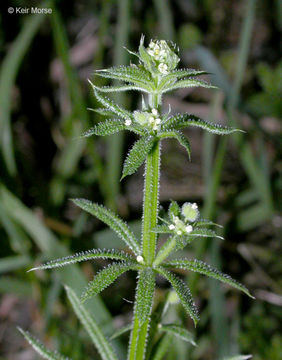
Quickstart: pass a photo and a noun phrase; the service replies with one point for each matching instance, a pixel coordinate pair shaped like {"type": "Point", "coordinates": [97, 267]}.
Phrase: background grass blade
{"type": "Point", "coordinates": [8, 73]}
{"type": "Point", "coordinates": [93, 329]}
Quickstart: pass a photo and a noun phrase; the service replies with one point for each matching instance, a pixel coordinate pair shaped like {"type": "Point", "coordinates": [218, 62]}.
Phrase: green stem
{"type": "Point", "coordinates": [137, 349]}
{"type": "Point", "coordinates": [151, 202]}
{"type": "Point", "coordinates": [165, 250]}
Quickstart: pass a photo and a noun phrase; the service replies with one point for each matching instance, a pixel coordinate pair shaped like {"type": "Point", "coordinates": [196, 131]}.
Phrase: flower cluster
{"type": "Point", "coordinates": [149, 119]}
{"type": "Point", "coordinates": [164, 57]}
{"type": "Point", "coordinates": [190, 214]}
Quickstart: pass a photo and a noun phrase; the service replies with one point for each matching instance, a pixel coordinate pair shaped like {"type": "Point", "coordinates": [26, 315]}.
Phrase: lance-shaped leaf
{"type": "Point", "coordinates": [103, 112]}
{"type": "Point", "coordinates": [105, 278]}
{"type": "Point", "coordinates": [188, 83]}
{"type": "Point", "coordinates": [201, 232]}
{"type": "Point", "coordinates": [144, 294]}
{"type": "Point", "coordinates": [204, 222]}
{"type": "Point", "coordinates": [85, 256]}
{"type": "Point", "coordinates": [92, 328]}
{"type": "Point", "coordinates": [163, 347]}
{"type": "Point", "coordinates": [137, 155]}
{"type": "Point", "coordinates": [178, 331]}
{"type": "Point", "coordinates": [178, 136]}
{"type": "Point", "coordinates": [173, 210]}
{"type": "Point", "coordinates": [145, 57]}
{"type": "Point", "coordinates": [162, 229]}
{"type": "Point", "coordinates": [110, 105]}
{"type": "Point", "coordinates": [143, 88]}
{"type": "Point", "coordinates": [205, 269]}
{"type": "Point", "coordinates": [107, 127]}
{"type": "Point", "coordinates": [181, 121]}
{"type": "Point", "coordinates": [183, 293]}
{"type": "Point", "coordinates": [175, 75]}
{"type": "Point", "coordinates": [131, 74]}
{"type": "Point", "coordinates": [112, 220]}
{"type": "Point", "coordinates": [41, 349]}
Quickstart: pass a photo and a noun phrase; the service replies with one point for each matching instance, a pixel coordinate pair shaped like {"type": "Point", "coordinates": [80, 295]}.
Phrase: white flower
{"type": "Point", "coordinates": [188, 228]}
{"type": "Point", "coordinates": [151, 119]}
{"type": "Point", "coordinates": [152, 44]}
{"type": "Point", "coordinates": [158, 121]}
{"type": "Point", "coordinates": [179, 232]}
{"type": "Point", "coordinates": [163, 68]}
{"type": "Point", "coordinates": [140, 259]}
{"type": "Point", "coordinates": [155, 112]}
{"type": "Point", "coordinates": [194, 206]}
{"type": "Point", "coordinates": [128, 122]}
{"type": "Point", "coordinates": [171, 227]}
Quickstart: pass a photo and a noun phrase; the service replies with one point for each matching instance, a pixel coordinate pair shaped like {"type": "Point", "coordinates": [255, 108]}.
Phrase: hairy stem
{"type": "Point", "coordinates": [137, 348]}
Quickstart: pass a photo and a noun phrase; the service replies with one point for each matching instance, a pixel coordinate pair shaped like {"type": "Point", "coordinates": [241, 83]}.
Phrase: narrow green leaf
{"type": "Point", "coordinates": [162, 229]}
{"type": "Point", "coordinates": [105, 277]}
{"type": "Point", "coordinates": [121, 331]}
{"type": "Point", "coordinates": [205, 269]}
{"type": "Point", "coordinates": [103, 112]}
{"type": "Point", "coordinates": [112, 220]}
{"type": "Point", "coordinates": [110, 105]}
{"type": "Point", "coordinates": [178, 331]}
{"type": "Point", "coordinates": [93, 329]}
{"type": "Point", "coordinates": [181, 139]}
{"type": "Point", "coordinates": [201, 232]}
{"type": "Point", "coordinates": [174, 75]}
{"type": "Point", "coordinates": [137, 155]}
{"type": "Point", "coordinates": [144, 294]}
{"type": "Point", "coordinates": [41, 349]}
{"type": "Point", "coordinates": [204, 222]}
{"type": "Point", "coordinates": [183, 293]}
{"type": "Point", "coordinates": [104, 128]}
{"type": "Point", "coordinates": [124, 88]}
{"type": "Point", "coordinates": [187, 83]}
{"type": "Point", "coordinates": [131, 74]}
{"type": "Point", "coordinates": [85, 256]}
{"type": "Point", "coordinates": [173, 210]}
{"type": "Point", "coordinates": [181, 121]}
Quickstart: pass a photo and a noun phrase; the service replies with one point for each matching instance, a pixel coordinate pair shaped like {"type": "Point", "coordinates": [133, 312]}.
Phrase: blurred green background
{"type": "Point", "coordinates": [237, 180]}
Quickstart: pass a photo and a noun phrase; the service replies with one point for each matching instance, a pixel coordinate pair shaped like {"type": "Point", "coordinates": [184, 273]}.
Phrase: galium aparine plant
{"type": "Point", "coordinates": [155, 74]}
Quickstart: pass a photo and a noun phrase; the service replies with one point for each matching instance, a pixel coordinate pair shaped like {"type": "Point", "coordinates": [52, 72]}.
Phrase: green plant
{"type": "Point", "coordinates": [155, 75]}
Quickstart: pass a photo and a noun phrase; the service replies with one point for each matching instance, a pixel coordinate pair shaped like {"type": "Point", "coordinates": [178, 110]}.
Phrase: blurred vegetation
{"type": "Point", "coordinates": [44, 96]}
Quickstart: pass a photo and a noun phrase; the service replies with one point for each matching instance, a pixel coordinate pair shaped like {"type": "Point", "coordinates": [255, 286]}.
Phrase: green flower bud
{"type": "Point", "coordinates": [190, 211]}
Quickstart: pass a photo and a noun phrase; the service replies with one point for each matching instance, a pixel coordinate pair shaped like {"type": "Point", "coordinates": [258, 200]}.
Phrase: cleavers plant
{"type": "Point", "coordinates": [155, 75]}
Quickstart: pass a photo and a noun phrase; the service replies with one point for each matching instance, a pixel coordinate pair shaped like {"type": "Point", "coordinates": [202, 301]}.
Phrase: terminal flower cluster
{"type": "Point", "coordinates": [164, 57]}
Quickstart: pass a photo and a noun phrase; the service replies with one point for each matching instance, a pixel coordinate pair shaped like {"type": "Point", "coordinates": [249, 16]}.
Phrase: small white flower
{"type": "Point", "coordinates": [194, 206]}
{"type": "Point", "coordinates": [171, 227]}
{"type": "Point", "coordinates": [140, 259]}
{"type": "Point", "coordinates": [158, 121]}
{"type": "Point", "coordinates": [188, 228]}
{"type": "Point", "coordinates": [155, 112]}
{"type": "Point", "coordinates": [152, 44]}
{"type": "Point", "coordinates": [151, 119]}
{"type": "Point", "coordinates": [179, 232]}
{"type": "Point", "coordinates": [163, 68]}
{"type": "Point", "coordinates": [151, 52]}
{"type": "Point", "coordinates": [128, 122]}
{"type": "Point", "coordinates": [155, 127]}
